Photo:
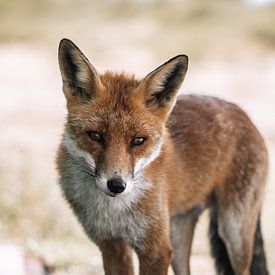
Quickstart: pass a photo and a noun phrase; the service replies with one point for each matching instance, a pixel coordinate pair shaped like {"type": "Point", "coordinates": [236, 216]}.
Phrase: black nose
{"type": "Point", "coordinates": [116, 185]}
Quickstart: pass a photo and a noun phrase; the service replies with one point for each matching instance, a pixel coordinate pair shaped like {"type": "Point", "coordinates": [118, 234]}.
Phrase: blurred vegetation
{"type": "Point", "coordinates": [208, 26]}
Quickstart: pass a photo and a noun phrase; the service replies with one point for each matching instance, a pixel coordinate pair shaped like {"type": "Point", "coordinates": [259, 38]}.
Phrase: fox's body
{"type": "Point", "coordinates": [138, 177]}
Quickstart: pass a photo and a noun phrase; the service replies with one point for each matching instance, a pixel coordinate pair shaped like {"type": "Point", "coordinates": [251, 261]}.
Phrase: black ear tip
{"type": "Point", "coordinates": [64, 41]}
{"type": "Point", "coordinates": [183, 59]}
{"type": "Point", "coordinates": [65, 44]}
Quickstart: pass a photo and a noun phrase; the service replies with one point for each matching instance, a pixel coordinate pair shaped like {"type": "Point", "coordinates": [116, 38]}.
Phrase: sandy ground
{"type": "Point", "coordinates": [32, 111]}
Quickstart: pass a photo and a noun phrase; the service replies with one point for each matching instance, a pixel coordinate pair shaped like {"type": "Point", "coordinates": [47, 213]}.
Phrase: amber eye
{"type": "Point", "coordinates": [96, 136]}
{"type": "Point", "coordinates": [138, 141]}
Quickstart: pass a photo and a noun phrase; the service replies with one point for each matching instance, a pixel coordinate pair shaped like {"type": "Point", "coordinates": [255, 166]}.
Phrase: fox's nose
{"type": "Point", "coordinates": [116, 185]}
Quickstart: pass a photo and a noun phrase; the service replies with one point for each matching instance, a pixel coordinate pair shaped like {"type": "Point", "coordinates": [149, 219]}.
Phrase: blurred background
{"type": "Point", "coordinates": [231, 45]}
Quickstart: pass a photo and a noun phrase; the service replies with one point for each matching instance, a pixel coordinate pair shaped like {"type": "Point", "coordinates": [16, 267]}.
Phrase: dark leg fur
{"type": "Point", "coordinates": [218, 249]}
{"type": "Point", "coordinates": [219, 252]}
{"type": "Point", "coordinates": [258, 266]}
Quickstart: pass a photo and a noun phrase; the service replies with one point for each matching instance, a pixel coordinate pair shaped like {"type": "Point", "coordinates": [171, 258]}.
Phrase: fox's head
{"type": "Point", "coordinates": [115, 124]}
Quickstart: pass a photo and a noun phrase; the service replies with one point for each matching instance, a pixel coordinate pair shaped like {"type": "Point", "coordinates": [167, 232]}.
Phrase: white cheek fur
{"type": "Point", "coordinates": [71, 147]}
{"type": "Point", "coordinates": [141, 163]}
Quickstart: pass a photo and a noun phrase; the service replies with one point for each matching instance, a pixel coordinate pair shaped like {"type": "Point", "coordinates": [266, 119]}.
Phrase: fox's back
{"type": "Point", "coordinates": [214, 140]}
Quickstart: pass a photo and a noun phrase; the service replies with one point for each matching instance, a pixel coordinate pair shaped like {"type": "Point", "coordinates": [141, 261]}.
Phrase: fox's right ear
{"type": "Point", "coordinates": [80, 79]}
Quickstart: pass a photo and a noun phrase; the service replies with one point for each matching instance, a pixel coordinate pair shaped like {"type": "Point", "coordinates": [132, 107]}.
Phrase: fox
{"type": "Point", "coordinates": [139, 163]}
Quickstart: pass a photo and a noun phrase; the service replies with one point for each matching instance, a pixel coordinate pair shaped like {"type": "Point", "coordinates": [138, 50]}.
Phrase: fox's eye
{"type": "Point", "coordinates": [96, 136]}
{"type": "Point", "coordinates": [138, 141]}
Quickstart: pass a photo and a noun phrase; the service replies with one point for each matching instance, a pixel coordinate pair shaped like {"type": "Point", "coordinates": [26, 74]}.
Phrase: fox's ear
{"type": "Point", "coordinates": [161, 85]}
{"type": "Point", "coordinates": [79, 77]}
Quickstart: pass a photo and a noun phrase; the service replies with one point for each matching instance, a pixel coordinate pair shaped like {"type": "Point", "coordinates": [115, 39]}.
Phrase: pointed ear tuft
{"type": "Point", "coordinates": [78, 75]}
{"type": "Point", "coordinates": [162, 84]}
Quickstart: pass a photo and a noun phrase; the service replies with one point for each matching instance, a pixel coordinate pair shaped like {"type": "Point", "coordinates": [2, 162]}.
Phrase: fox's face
{"type": "Point", "coordinates": [115, 125]}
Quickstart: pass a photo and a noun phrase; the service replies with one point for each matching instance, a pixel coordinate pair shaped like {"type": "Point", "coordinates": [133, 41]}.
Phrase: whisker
{"type": "Point", "coordinates": [87, 166]}
{"type": "Point", "coordinates": [87, 172]}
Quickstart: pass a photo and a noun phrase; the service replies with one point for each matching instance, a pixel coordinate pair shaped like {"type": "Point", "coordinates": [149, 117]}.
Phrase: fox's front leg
{"type": "Point", "coordinates": [156, 257]}
{"type": "Point", "coordinates": [117, 257]}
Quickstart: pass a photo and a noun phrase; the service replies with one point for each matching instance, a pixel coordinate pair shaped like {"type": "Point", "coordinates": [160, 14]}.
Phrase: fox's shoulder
{"type": "Point", "coordinates": [198, 107]}
{"type": "Point", "coordinates": [197, 113]}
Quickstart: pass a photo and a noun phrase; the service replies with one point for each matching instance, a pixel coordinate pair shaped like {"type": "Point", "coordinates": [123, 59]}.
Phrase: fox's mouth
{"type": "Point", "coordinates": [111, 195]}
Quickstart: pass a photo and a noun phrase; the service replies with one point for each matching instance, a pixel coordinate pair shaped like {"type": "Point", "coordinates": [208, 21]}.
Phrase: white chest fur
{"type": "Point", "coordinates": [115, 218]}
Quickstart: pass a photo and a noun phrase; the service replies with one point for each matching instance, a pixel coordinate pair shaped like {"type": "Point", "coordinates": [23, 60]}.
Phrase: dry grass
{"type": "Point", "coordinates": [191, 26]}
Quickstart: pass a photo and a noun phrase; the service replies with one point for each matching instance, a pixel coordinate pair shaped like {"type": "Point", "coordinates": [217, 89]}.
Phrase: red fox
{"type": "Point", "coordinates": [138, 167]}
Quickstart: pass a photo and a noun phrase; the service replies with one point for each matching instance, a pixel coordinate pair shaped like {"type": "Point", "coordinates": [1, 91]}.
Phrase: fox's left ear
{"type": "Point", "coordinates": [159, 88]}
